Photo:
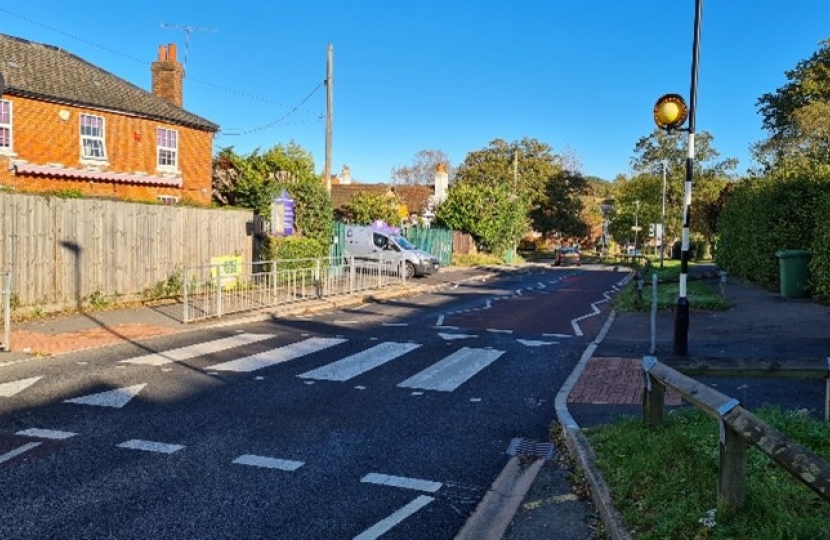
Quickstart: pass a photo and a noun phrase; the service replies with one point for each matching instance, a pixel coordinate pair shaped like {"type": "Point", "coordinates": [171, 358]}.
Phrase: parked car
{"type": "Point", "coordinates": [568, 255]}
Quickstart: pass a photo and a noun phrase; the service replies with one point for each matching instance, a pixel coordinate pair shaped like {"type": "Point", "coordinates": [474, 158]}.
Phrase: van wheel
{"type": "Point", "coordinates": [409, 272]}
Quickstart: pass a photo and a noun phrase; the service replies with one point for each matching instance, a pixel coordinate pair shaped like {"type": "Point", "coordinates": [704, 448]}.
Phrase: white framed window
{"type": "Point", "coordinates": [92, 138]}
{"type": "Point", "coordinates": [5, 126]}
{"type": "Point", "coordinates": [167, 199]}
{"type": "Point", "coordinates": [167, 148]}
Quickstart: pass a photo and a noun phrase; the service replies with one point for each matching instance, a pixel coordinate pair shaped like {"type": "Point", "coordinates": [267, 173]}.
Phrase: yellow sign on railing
{"type": "Point", "coordinates": [227, 269]}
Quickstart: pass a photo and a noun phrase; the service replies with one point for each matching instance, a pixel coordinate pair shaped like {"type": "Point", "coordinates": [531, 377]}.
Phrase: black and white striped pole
{"type": "Point", "coordinates": [670, 113]}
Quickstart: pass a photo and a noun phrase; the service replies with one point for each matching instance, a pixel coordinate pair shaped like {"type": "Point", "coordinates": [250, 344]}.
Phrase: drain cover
{"type": "Point", "coordinates": [527, 448]}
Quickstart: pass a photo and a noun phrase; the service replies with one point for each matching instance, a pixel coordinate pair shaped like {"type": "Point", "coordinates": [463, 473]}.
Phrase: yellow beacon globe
{"type": "Point", "coordinates": [668, 113]}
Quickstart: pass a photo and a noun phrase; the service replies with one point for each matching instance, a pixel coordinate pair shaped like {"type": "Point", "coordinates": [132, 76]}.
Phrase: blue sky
{"type": "Point", "coordinates": [579, 75]}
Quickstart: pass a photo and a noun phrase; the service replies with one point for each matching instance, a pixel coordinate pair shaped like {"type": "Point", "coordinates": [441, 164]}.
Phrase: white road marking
{"type": "Point", "coordinates": [445, 327]}
{"type": "Point", "coordinates": [450, 337]}
{"type": "Point", "coordinates": [268, 463]}
{"type": "Point", "coordinates": [496, 331]}
{"type": "Point", "coordinates": [395, 324]}
{"type": "Point", "coordinates": [112, 398]}
{"type": "Point", "coordinates": [535, 343]}
{"type": "Point", "coordinates": [557, 335]}
{"type": "Point", "coordinates": [359, 363]}
{"type": "Point", "coordinates": [278, 355]}
{"type": "Point", "coordinates": [19, 450]}
{"type": "Point", "coordinates": [452, 371]}
{"type": "Point", "coordinates": [402, 482]}
{"type": "Point", "coordinates": [151, 446]}
{"type": "Point", "coordinates": [440, 321]}
{"type": "Point", "coordinates": [475, 400]}
{"type": "Point", "coordinates": [46, 434]}
{"type": "Point", "coordinates": [199, 349]}
{"type": "Point", "coordinates": [383, 526]}
{"type": "Point", "coordinates": [416, 394]}
{"type": "Point", "coordinates": [9, 389]}
{"type": "Point", "coordinates": [259, 378]}
{"type": "Point", "coordinates": [360, 387]}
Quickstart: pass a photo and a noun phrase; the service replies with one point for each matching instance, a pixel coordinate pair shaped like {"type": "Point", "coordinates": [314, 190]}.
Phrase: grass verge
{"type": "Point", "coordinates": [664, 480]}
{"type": "Point", "coordinates": [701, 294]}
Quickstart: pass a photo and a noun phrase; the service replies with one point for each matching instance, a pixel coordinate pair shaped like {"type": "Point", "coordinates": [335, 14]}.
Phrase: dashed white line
{"type": "Point", "coordinates": [402, 482]}
{"type": "Point", "coordinates": [383, 526]}
{"type": "Point", "coordinates": [268, 462]}
{"type": "Point", "coordinates": [17, 451]}
{"type": "Point", "coordinates": [497, 331]}
{"type": "Point", "coordinates": [46, 433]}
{"type": "Point", "coordinates": [151, 446]}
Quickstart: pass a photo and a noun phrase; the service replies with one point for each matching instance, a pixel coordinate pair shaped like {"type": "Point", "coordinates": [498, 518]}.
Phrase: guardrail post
{"type": "Point", "coordinates": [653, 395]}
{"type": "Point", "coordinates": [7, 311]}
{"type": "Point", "coordinates": [218, 290]}
{"type": "Point", "coordinates": [722, 284]}
{"type": "Point", "coordinates": [732, 465]}
{"type": "Point", "coordinates": [318, 286]}
{"type": "Point", "coordinates": [827, 393]}
{"type": "Point", "coordinates": [653, 349]}
{"type": "Point", "coordinates": [185, 307]}
{"type": "Point", "coordinates": [352, 275]}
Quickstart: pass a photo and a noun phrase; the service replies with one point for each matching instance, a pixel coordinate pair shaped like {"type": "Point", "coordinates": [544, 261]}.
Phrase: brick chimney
{"type": "Point", "coordinates": [168, 76]}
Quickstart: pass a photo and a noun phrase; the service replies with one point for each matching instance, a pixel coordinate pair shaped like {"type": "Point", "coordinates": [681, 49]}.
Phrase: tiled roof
{"type": "Point", "coordinates": [46, 72]}
{"type": "Point", "coordinates": [414, 197]}
{"type": "Point", "coordinates": [341, 194]}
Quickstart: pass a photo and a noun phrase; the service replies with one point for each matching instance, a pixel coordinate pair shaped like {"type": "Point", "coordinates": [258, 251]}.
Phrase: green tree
{"type": "Point", "coordinates": [560, 209]}
{"type": "Point", "coordinates": [422, 170]}
{"type": "Point", "coordinates": [808, 83]}
{"type": "Point", "coordinates": [710, 174]}
{"type": "Point", "coordinates": [252, 181]}
{"type": "Point", "coordinates": [365, 208]}
{"type": "Point", "coordinates": [492, 214]}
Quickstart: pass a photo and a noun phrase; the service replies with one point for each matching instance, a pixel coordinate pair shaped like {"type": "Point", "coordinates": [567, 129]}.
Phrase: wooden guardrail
{"type": "Point", "coordinates": [738, 429]}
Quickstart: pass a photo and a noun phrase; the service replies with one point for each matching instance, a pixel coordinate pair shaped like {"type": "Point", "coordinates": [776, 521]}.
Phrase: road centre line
{"type": "Point", "coordinates": [19, 450]}
{"type": "Point", "coordinates": [268, 462]}
{"type": "Point", "coordinates": [385, 525]}
{"type": "Point", "coordinates": [151, 446]}
{"type": "Point", "coordinates": [402, 482]}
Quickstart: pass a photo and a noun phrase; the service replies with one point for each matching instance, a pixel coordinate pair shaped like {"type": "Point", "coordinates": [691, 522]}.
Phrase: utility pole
{"type": "Point", "coordinates": [636, 224]}
{"type": "Point", "coordinates": [329, 104]}
{"type": "Point", "coordinates": [187, 30]}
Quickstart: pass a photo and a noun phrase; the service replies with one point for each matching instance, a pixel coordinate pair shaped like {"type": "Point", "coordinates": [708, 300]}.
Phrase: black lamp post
{"type": "Point", "coordinates": [681, 319]}
{"type": "Point", "coordinates": [670, 113]}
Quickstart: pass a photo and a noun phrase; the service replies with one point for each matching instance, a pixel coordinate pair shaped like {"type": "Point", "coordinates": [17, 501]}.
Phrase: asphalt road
{"type": "Point", "coordinates": [389, 420]}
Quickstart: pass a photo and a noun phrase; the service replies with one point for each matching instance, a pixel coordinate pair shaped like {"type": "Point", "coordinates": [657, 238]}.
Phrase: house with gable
{"type": "Point", "coordinates": [66, 124]}
{"type": "Point", "coordinates": [416, 202]}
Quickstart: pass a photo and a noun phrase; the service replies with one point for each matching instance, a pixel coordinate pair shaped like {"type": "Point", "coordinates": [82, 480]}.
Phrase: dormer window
{"type": "Point", "coordinates": [167, 149]}
{"type": "Point", "coordinates": [5, 126]}
{"type": "Point", "coordinates": [92, 138]}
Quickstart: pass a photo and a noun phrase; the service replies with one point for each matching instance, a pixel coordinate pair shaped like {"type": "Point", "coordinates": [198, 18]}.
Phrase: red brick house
{"type": "Point", "coordinates": [66, 124]}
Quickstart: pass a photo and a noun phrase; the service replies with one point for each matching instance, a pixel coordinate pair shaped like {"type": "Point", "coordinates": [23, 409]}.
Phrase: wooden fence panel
{"type": "Point", "coordinates": [61, 251]}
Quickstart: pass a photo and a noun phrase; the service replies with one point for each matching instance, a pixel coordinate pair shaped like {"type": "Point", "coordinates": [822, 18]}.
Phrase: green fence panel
{"type": "Point", "coordinates": [432, 240]}
{"type": "Point", "coordinates": [338, 244]}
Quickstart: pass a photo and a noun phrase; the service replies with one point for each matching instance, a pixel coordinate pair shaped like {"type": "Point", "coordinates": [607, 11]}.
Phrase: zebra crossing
{"type": "Point", "coordinates": [444, 374]}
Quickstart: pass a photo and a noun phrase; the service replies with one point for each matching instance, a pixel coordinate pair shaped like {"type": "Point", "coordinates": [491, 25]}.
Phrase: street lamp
{"type": "Point", "coordinates": [669, 114]}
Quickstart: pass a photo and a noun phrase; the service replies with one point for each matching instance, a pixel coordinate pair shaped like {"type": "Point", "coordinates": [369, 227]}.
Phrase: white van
{"type": "Point", "coordinates": [367, 243]}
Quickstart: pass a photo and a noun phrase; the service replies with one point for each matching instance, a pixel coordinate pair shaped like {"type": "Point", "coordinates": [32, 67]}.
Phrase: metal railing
{"type": "Point", "coordinates": [221, 289]}
{"type": "Point", "coordinates": [5, 310]}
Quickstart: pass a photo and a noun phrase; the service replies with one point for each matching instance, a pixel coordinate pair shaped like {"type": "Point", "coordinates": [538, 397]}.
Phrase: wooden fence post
{"type": "Point", "coordinates": [653, 395]}
{"type": "Point", "coordinates": [732, 464]}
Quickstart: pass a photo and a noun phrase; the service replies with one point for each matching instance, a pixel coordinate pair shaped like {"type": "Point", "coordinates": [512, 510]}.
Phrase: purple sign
{"type": "Point", "coordinates": [282, 214]}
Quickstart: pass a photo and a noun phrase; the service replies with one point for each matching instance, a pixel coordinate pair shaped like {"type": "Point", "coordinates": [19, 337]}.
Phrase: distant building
{"type": "Point", "coordinates": [416, 201]}
{"type": "Point", "coordinates": [66, 124]}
